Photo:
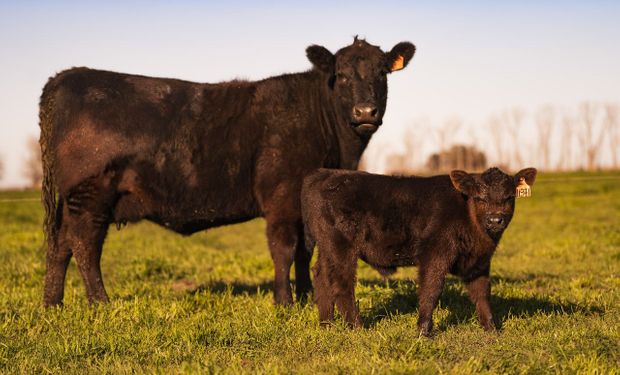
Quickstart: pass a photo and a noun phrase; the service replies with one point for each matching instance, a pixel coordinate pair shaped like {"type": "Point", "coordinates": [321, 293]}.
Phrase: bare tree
{"type": "Point", "coordinates": [613, 133]}
{"type": "Point", "coordinates": [495, 126]}
{"type": "Point", "coordinates": [414, 141]}
{"type": "Point", "coordinates": [457, 157]}
{"type": "Point", "coordinates": [445, 133]}
{"type": "Point", "coordinates": [545, 118]}
{"type": "Point", "coordinates": [566, 142]}
{"type": "Point", "coordinates": [513, 121]}
{"type": "Point", "coordinates": [406, 161]}
{"type": "Point", "coordinates": [33, 170]}
{"type": "Point", "coordinates": [588, 138]}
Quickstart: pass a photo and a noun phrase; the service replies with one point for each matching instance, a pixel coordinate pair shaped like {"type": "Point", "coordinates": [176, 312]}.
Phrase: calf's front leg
{"type": "Point", "coordinates": [479, 290]}
{"type": "Point", "coordinates": [334, 276]}
{"type": "Point", "coordinates": [432, 276]}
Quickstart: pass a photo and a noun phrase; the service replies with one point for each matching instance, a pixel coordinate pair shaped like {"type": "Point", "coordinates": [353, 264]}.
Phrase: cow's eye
{"type": "Point", "coordinates": [478, 200]}
{"type": "Point", "coordinates": [342, 78]}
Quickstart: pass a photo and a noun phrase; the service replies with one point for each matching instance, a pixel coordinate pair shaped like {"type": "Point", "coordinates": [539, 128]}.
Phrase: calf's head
{"type": "Point", "coordinates": [357, 79]}
{"type": "Point", "coordinates": [491, 196]}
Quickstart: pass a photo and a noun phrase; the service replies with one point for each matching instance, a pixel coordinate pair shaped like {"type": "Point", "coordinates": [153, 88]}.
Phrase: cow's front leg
{"type": "Point", "coordinates": [282, 238]}
{"type": "Point", "coordinates": [479, 290]}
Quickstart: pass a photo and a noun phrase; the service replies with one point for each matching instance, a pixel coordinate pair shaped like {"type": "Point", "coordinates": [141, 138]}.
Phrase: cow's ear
{"type": "Point", "coordinates": [321, 58]}
{"type": "Point", "coordinates": [529, 174]}
{"type": "Point", "coordinates": [399, 56]}
{"type": "Point", "coordinates": [463, 182]}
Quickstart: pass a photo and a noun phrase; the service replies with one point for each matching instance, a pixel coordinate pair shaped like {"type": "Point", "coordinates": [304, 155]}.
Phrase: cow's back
{"type": "Point", "coordinates": [184, 147]}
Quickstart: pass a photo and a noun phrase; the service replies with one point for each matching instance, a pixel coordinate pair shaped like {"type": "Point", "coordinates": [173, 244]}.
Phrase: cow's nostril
{"type": "Point", "coordinates": [365, 112]}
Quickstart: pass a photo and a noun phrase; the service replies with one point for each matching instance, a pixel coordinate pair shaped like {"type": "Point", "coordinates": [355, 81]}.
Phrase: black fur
{"type": "Point", "coordinates": [120, 148]}
{"type": "Point", "coordinates": [441, 224]}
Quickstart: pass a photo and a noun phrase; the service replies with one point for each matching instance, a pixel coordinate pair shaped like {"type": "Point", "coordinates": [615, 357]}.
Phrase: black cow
{"type": "Point", "coordinates": [119, 148]}
{"type": "Point", "coordinates": [442, 224]}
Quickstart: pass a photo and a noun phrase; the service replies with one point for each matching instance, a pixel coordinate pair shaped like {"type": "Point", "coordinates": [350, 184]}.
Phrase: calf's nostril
{"type": "Point", "coordinates": [496, 220]}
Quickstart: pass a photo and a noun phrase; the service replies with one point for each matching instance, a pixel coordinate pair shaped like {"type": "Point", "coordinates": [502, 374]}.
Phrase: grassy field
{"type": "Point", "coordinates": [204, 303]}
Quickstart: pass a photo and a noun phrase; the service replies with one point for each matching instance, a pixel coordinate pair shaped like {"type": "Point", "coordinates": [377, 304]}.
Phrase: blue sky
{"type": "Point", "coordinates": [473, 59]}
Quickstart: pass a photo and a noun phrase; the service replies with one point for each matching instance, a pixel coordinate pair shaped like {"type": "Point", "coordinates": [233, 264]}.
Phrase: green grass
{"type": "Point", "coordinates": [556, 294]}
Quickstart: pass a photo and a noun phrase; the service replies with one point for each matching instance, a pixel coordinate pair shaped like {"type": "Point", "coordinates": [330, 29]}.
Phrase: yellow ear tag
{"type": "Point", "coordinates": [398, 63]}
{"type": "Point", "coordinates": [523, 189]}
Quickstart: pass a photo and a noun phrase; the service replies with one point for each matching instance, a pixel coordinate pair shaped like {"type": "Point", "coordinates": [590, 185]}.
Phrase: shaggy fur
{"type": "Point", "coordinates": [120, 148]}
{"type": "Point", "coordinates": [441, 224]}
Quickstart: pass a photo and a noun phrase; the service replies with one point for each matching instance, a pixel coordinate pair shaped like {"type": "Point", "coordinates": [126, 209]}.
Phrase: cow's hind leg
{"type": "Point", "coordinates": [58, 258]}
{"type": "Point", "coordinates": [84, 227]}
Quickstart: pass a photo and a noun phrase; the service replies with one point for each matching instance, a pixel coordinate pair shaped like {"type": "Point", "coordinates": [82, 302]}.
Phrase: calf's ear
{"type": "Point", "coordinates": [462, 182]}
{"type": "Point", "coordinates": [321, 58]}
{"type": "Point", "coordinates": [529, 174]}
{"type": "Point", "coordinates": [399, 56]}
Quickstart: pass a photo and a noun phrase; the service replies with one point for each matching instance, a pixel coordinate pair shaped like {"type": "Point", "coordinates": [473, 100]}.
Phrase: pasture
{"type": "Point", "coordinates": [204, 303]}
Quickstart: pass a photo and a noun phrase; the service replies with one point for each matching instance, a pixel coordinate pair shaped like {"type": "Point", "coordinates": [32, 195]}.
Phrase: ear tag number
{"type": "Point", "coordinates": [523, 189]}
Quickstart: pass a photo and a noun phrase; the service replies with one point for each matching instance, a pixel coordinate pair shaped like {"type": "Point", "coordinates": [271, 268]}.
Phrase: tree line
{"type": "Point", "coordinates": [583, 138]}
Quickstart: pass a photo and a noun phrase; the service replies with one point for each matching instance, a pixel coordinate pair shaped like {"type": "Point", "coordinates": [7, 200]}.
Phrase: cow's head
{"type": "Point", "coordinates": [357, 78]}
{"type": "Point", "coordinates": [491, 196]}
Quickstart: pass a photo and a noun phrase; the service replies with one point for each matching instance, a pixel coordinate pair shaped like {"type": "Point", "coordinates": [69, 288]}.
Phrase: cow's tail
{"type": "Point", "coordinates": [48, 188]}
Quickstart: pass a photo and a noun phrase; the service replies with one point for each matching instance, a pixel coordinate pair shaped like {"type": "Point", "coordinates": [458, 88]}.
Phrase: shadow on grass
{"type": "Point", "coordinates": [405, 301]}
{"type": "Point", "coordinates": [238, 288]}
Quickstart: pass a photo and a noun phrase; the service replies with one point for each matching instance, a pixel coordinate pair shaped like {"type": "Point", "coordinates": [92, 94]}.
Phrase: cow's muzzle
{"type": "Point", "coordinates": [365, 118]}
{"type": "Point", "coordinates": [495, 223]}
{"type": "Point", "coordinates": [366, 129]}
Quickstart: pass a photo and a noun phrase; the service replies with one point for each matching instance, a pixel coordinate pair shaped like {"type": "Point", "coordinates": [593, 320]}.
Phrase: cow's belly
{"type": "Point", "coordinates": [403, 253]}
{"type": "Point", "coordinates": [184, 205]}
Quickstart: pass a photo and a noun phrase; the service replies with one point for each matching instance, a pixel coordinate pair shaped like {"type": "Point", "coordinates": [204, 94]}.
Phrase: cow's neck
{"type": "Point", "coordinates": [342, 138]}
